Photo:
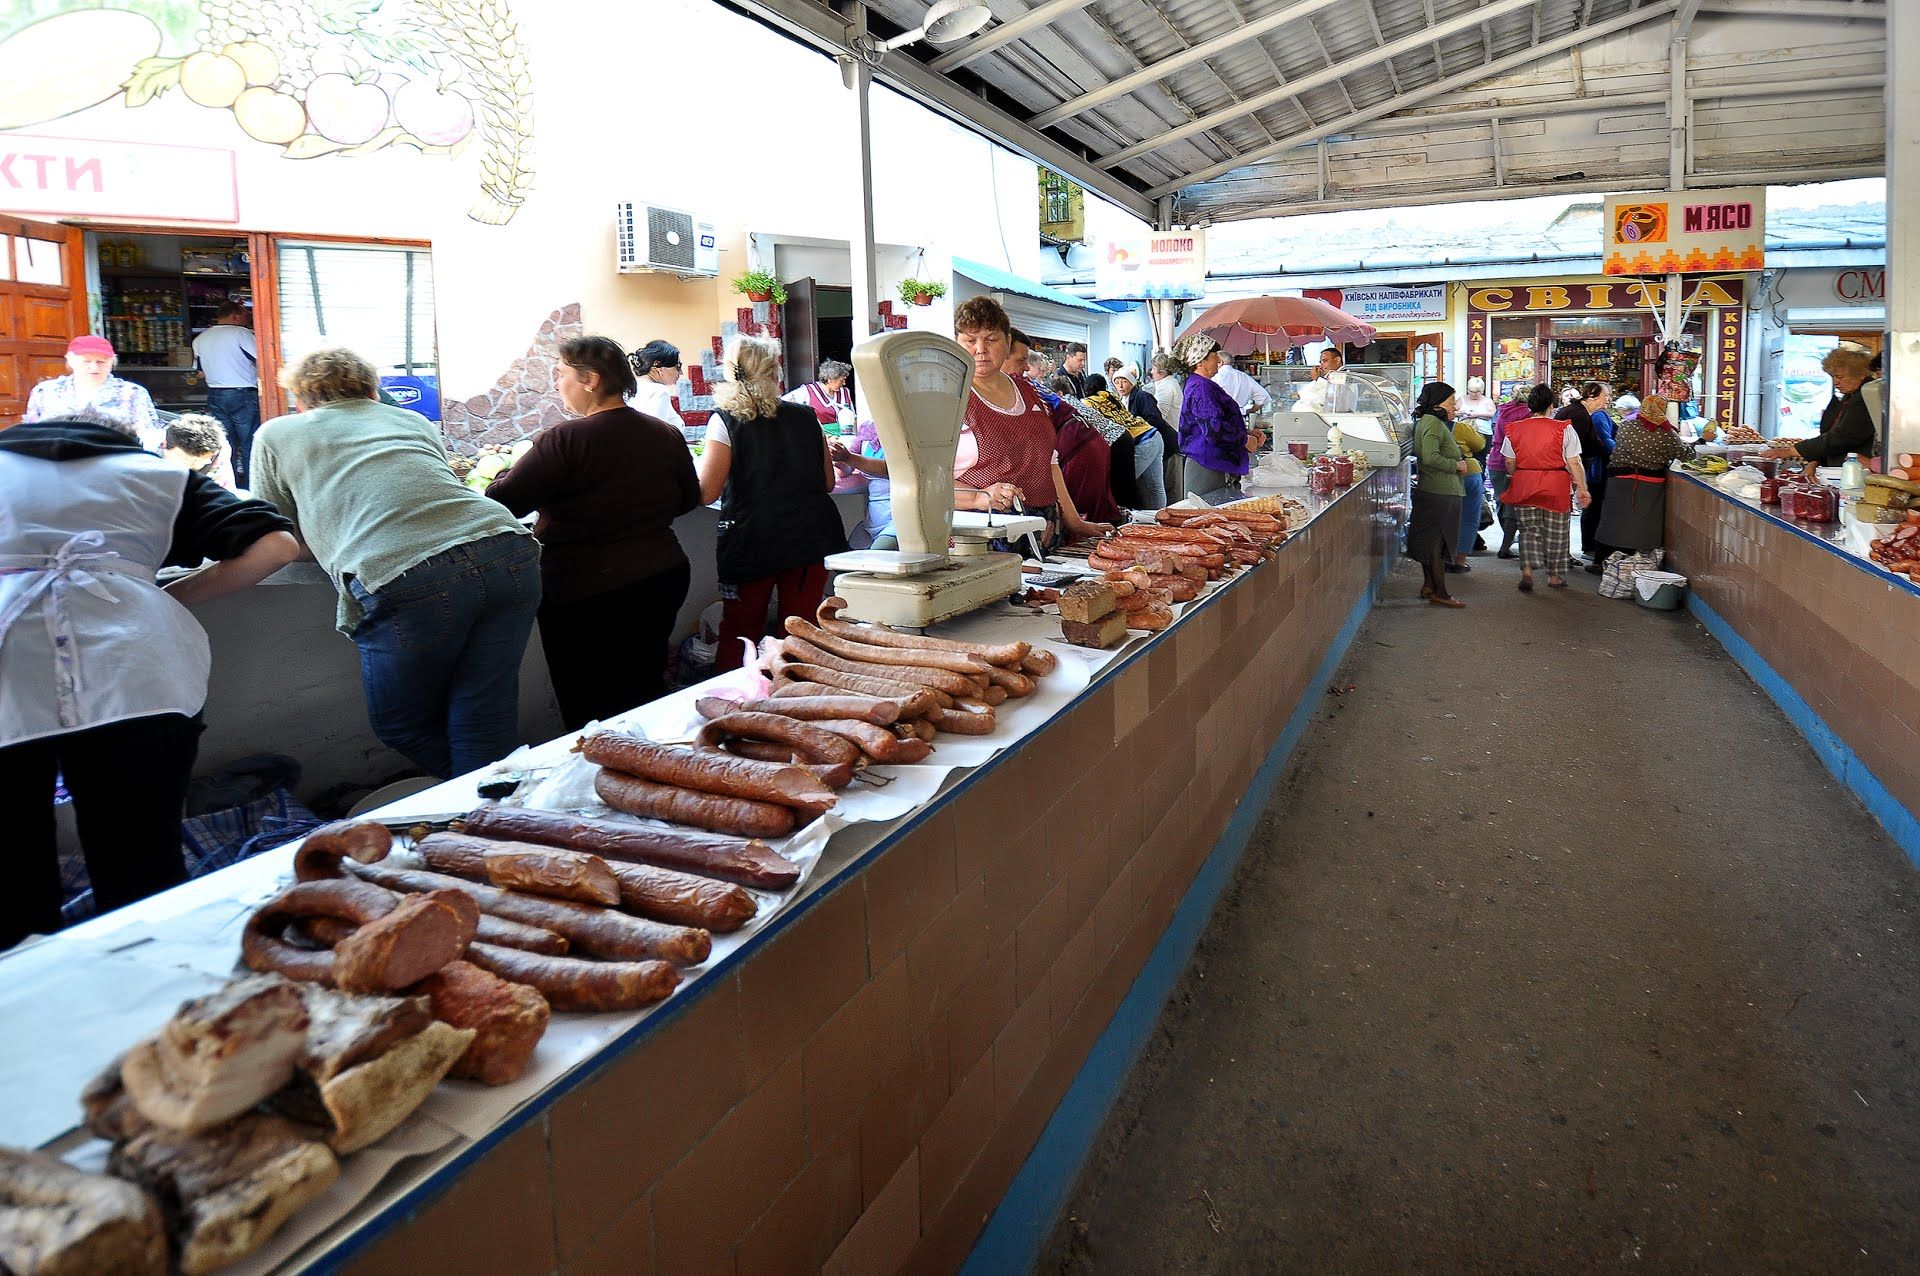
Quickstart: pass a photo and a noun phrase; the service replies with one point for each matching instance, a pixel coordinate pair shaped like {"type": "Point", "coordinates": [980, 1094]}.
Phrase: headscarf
{"type": "Point", "coordinates": [1189, 351]}
{"type": "Point", "coordinates": [1131, 371]}
{"type": "Point", "coordinates": [1653, 413]}
{"type": "Point", "coordinates": [1432, 395]}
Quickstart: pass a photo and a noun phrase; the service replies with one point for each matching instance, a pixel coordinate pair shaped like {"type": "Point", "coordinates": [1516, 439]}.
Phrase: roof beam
{"type": "Point", "coordinates": [1841, 9]}
{"type": "Point", "coordinates": [1185, 58]}
{"type": "Point", "coordinates": [1460, 22]}
{"type": "Point", "coordinates": [987, 41]}
{"type": "Point", "coordinates": [1605, 104]}
{"type": "Point", "coordinates": [1466, 79]}
{"type": "Point", "coordinates": [1683, 18]}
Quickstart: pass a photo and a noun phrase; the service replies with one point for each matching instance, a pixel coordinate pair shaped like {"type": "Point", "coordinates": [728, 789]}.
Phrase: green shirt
{"type": "Point", "coordinates": [1438, 453]}
{"type": "Point", "coordinates": [369, 490]}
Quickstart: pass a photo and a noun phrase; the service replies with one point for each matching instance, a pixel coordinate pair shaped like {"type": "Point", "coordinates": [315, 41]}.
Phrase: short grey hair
{"type": "Point", "coordinates": [834, 370]}
{"type": "Point", "coordinates": [95, 414]}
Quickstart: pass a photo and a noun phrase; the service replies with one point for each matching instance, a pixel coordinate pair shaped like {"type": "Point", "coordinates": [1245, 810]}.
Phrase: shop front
{"type": "Point", "coordinates": [1410, 326]}
{"type": "Point", "coordinates": [1564, 332]}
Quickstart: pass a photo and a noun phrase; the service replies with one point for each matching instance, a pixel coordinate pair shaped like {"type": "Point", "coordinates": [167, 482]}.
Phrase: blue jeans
{"type": "Point", "coordinates": [1473, 499]}
{"type": "Point", "coordinates": [440, 651]}
{"type": "Point", "coordinates": [238, 409]}
{"type": "Point", "coordinates": [1149, 470]}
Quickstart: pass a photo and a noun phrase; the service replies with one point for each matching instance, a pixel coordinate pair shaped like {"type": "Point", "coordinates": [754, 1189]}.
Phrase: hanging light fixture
{"type": "Point", "coordinates": [946, 21]}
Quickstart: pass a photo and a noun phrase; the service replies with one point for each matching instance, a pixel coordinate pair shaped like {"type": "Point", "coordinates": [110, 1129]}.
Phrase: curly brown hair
{"type": "Point", "coordinates": [329, 376]}
{"type": "Point", "coordinates": [981, 314]}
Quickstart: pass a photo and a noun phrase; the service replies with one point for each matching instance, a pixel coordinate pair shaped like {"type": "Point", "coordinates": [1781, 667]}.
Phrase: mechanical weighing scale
{"type": "Point", "coordinates": [916, 386]}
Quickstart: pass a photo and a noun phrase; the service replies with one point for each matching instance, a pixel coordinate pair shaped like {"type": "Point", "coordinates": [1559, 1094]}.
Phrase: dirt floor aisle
{"type": "Point", "coordinates": [1555, 950]}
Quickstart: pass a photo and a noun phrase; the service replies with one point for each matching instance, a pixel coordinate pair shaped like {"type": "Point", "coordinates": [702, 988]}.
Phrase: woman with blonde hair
{"type": "Point", "coordinates": [438, 585]}
{"type": "Point", "coordinates": [1846, 425]}
{"type": "Point", "coordinates": [767, 463]}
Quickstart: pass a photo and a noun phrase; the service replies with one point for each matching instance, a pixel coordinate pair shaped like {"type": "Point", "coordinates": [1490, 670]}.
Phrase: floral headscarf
{"type": "Point", "coordinates": [1191, 350]}
{"type": "Point", "coordinates": [1653, 413]}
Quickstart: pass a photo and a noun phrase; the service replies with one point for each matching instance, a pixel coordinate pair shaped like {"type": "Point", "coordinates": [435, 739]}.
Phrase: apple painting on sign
{"type": "Point", "coordinates": [314, 77]}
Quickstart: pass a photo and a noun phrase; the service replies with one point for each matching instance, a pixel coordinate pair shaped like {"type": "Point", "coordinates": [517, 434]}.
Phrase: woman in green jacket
{"type": "Point", "coordinates": [1435, 524]}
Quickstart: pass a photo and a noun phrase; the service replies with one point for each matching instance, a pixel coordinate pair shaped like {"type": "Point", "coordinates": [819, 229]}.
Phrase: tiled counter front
{"type": "Point", "coordinates": [859, 1095]}
{"type": "Point", "coordinates": [1843, 635]}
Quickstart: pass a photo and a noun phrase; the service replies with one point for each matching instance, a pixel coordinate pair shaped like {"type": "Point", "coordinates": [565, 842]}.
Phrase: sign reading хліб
{"type": "Point", "coordinates": [142, 181]}
{"type": "Point", "coordinates": [1161, 265]}
{"type": "Point", "coordinates": [1677, 232]}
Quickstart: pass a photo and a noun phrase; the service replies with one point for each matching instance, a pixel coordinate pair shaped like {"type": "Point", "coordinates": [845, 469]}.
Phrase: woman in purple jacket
{"type": "Point", "coordinates": [1214, 437]}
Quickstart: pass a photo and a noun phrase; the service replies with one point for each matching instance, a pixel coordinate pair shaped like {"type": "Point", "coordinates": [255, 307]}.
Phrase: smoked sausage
{"type": "Point", "coordinates": [571, 984]}
{"type": "Point", "coordinates": [749, 863]}
{"type": "Point", "coordinates": [743, 817]}
{"type": "Point", "coordinates": [707, 772]}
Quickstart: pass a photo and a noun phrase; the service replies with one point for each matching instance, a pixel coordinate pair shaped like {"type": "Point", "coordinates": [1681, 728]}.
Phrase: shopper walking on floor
{"type": "Point", "coordinates": [1636, 514]}
{"type": "Point", "coordinates": [608, 485]}
{"type": "Point", "coordinates": [1514, 409]}
{"type": "Point", "coordinates": [1594, 428]}
{"type": "Point", "coordinates": [438, 585]}
{"type": "Point", "coordinates": [767, 463]}
{"type": "Point", "coordinates": [1435, 523]}
{"type": "Point", "coordinates": [103, 674]}
{"type": "Point", "coordinates": [1547, 478]}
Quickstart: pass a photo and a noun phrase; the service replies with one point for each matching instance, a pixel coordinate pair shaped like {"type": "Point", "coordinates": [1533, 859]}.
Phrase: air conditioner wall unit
{"type": "Point", "coordinates": [651, 239]}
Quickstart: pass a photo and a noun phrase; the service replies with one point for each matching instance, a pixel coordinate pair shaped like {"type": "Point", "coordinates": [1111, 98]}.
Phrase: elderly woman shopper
{"type": "Point", "coordinates": [90, 383]}
{"type": "Point", "coordinates": [1846, 425]}
{"type": "Point", "coordinates": [1008, 454]}
{"type": "Point", "coordinates": [767, 463]}
{"type": "Point", "coordinates": [1151, 434]}
{"type": "Point", "coordinates": [438, 585]}
{"type": "Point", "coordinates": [1435, 523]}
{"type": "Point", "coordinates": [1636, 513]}
{"type": "Point", "coordinates": [103, 674]}
{"type": "Point", "coordinates": [1214, 437]}
{"type": "Point", "coordinates": [608, 485]}
{"type": "Point", "coordinates": [1546, 477]}
{"type": "Point", "coordinates": [829, 397]}
{"type": "Point", "coordinates": [656, 368]}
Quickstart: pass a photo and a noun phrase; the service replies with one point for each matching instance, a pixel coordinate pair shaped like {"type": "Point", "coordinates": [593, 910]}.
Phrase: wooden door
{"type": "Point", "coordinates": [43, 305]}
{"type": "Point", "coordinates": [800, 331]}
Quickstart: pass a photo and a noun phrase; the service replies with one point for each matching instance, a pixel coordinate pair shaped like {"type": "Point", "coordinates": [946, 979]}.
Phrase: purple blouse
{"type": "Point", "coordinates": [1212, 430]}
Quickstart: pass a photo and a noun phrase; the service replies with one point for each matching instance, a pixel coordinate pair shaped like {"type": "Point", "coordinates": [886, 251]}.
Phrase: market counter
{"type": "Point", "coordinates": [1831, 636]}
{"type": "Point", "coordinates": [859, 1089]}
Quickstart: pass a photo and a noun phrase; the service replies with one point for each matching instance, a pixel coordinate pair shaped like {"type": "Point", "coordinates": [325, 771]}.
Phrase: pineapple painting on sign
{"type": "Point", "coordinates": [313, 78]}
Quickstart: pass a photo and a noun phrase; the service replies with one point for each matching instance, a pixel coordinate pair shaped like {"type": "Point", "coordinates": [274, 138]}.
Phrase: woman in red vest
{"type": "Point", "coordinates": [1546, 477]}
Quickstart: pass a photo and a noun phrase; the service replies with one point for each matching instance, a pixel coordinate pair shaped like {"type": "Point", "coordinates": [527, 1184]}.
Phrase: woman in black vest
{"type": "Point", "coordinates": [767, 464]}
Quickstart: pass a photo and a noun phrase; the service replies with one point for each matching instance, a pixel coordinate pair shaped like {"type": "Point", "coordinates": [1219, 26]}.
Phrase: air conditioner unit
{"type": "Point", "coordinates": [649, 238]}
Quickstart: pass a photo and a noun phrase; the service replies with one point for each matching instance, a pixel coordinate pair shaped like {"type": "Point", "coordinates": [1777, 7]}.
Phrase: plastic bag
{"type": "Point", "coordinates": [1622, 568]}
{"type": "Point", "coordinates": [1279, 469]}
{"type": "Point", "coordinates": [1742, 481]}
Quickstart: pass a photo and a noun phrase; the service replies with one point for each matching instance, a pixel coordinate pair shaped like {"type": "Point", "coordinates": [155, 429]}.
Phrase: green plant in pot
{"type": "Point", "coordinates": [921, 292]}
{"type": "Point", "coordinates": [760, 285]}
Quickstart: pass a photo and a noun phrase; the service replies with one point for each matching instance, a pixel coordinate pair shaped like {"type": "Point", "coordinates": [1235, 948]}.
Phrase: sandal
{"type": "Point", "coordinates": [1556, 582]}
{"type": "Point", "coordinates": [1446, 600]}
{"type": "Point", "coordinates": [1526, 584]}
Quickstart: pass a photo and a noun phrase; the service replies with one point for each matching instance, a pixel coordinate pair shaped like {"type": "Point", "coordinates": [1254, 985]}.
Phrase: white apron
{"type": "Point", "coordinates": [86, 636]}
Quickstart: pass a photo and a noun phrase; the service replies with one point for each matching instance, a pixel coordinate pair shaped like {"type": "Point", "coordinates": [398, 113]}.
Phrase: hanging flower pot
{"type": "Point", "coordinates": [759, 286]}
{"type": "Point", "coordinates": [920, 299]}
{"type": "Point", "coordinates": [921, 292]}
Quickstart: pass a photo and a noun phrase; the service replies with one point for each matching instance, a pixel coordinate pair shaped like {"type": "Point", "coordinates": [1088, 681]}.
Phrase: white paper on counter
{"type": "Point", "coordinates": [360, 1174]}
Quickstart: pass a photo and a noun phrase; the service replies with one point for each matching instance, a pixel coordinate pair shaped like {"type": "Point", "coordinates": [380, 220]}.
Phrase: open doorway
{"type": "Point", "coordinates": [816, 324]}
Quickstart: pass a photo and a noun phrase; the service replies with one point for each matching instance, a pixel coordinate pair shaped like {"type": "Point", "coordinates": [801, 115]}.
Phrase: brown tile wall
{"type": "Point", "coordinates": [1844, 636]}
{"type": "Point", "coordinates": [858, 1095]}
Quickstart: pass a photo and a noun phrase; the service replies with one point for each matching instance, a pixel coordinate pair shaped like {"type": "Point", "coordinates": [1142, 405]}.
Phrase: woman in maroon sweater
{"type": "Point", "coordinates": [608, 486]}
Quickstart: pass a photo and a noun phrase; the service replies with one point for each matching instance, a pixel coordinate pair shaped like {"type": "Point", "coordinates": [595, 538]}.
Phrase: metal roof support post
{"type": "Point", "coordinates": [1903, 229]}
{"type": "Point", "coordinates": [1159, 309]}
{"type": "Point", "coordinates": [1679, 123]}
{"type": "Point", "coordinates": [857, 76]}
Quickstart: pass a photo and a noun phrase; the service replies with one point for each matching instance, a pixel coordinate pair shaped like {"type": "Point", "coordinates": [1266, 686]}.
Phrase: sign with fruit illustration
{"type": "Point", "coordinates": [315, 79]}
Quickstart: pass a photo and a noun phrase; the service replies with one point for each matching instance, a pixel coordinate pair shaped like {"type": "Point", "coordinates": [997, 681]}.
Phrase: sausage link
{"type": "Point", "coordinates": [263, 948]}
{"type": "Point", "coordinates": [708, 772]}
{"type": "Point", "coordinates": [816, 745]}
{"type": "Point", "coordinates": [961, 722]}
{"type": "Point", "coordinates": [571, 984]}
{"type": "Point", "coordinates": [845, 644]}
{"type": "Point", "coordinates": [879, 743]}
{"type": "Point", "coordinates": [1014, 683]}
{"type": "Point", "coordinates": [322, 850]}
{"type": "Point", "coordinates": [1039, 662]}
{"type": "Point", "coordinates": [867, 684]}
{"type": "Point", "coordinates": [954, 684]}
{"type": "Point", "coordinates": [730, 859]}
{"type": "Point", "coordinates": [881, 713]}
{"type": "Point", "coordinates": [743, 817]}
{"type": "Point", "coordinates": [1007, 654]}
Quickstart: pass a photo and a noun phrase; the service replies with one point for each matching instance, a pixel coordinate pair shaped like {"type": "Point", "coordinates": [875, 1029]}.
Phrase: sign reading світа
{"type": "Point", "coordinates": [1679, 232]}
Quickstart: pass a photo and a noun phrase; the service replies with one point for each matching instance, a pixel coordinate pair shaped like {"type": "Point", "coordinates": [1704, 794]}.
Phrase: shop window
{"type": "Point", "coordinates": [37, 261]}
{"type": "Point", "coordinates": [377, 302]}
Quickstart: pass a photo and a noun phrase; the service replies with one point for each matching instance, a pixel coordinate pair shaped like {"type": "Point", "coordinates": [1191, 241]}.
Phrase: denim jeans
{"type": "Point", "coordinates": [1149, 470]}
{"type": "Point", "coordinates": [238, 409]}
{"type": "Point", "coordinates": [440, 652]}
{"type": "Point", "coordinates": [1473, 499]}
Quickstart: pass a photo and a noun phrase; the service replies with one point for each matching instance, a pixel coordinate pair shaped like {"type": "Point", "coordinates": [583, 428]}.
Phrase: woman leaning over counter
{"type": "Point", "coordinates": [608, 485]}
{"type": "Point", "coordinates": [767, 464]}
{"type": "Point", "coordinates": [438, 585]}
{"type": "Point", "coordinates": [1846, 425]}
{"type": "Point", "coordinates": [103, 674]}
{"type": "Point", "coordinates": [1006, 453]}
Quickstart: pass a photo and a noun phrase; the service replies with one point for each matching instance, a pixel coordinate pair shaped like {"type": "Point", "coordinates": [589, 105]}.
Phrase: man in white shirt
{"type": "Point", "coordinates": [229, 359]}
{"type": "Point", "coordinates": [1248, 393]}
{"type": "Point", "coordinates": [1315, 395]}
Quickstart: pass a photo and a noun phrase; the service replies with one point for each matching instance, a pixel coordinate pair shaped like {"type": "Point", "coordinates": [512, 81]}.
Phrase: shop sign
{"type": "Point", "coordinates": [79, 177]}
{"type": "Point", "coordinates": [1156, 266]}
{"type": "Point", "coordinates": [1685, 232]}
{"type": "Point", "coordinates": [1386, 305]}
{"type": "Point", "coordinates": [1863, 284]}
{"type": "Point", "coordinates": [1726, 364]}
{"type": "Point", "coordinates": [1581, 298]}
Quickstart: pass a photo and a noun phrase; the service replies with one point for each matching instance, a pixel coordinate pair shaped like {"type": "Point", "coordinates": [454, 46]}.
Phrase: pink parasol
{"type": "Point", "coordinates": [1277, 323]}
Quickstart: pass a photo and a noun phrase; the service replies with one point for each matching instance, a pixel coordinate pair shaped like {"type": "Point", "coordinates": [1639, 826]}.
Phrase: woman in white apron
{"type": "Point", "coordinates": [103, 673]}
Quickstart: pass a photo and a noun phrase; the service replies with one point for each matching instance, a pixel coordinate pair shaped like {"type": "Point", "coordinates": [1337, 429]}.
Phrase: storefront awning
{"type": "Point", "coordinates": [997, 280]}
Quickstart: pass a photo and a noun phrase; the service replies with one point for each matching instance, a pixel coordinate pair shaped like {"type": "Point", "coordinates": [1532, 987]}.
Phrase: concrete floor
{"type": "Point", "coordinates": [1555, 950]}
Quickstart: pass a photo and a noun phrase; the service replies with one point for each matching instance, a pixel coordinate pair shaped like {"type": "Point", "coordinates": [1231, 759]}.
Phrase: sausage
{"type": "Point", "coordinates": [816, 745]}
{"type": "Point", "coordinates": [420, 935]}
{"type": "Point", "coordinates": [600, 932]}
{"type": "Point", "coordinates": [845, 644]}
{"type": "Point", "coordinates": [1168, 535]}
{"type": "Point", "coordinates": [320, 851]}
{"type": "Point", "coordinates": [879, 743]}
{"type": "Point", "coordinates": [1152, 619]}
{"type": "Point", "coordinates": [571, 984]}
{"type": "Point", "coordinates": [708, 772]}
{"type": "Point", "coordinates": [954, 684]}
{"type": "Point", "coordinates": [573, 875]}
{"type": "Point", "coordinates": [972, 706]}
{"type": "Point", "coordinates": [729, 859]}
{"type": "Point", "coordinates": [743, 817]}
{"type": "Point", "coordinates": [325, 932]}
{"type": "Point", "coordinates": [904, 707]}
{"type": "Point", "coordinates": [962, 722]}
{"type": "Point", "coordinates": [659, 893]}
{"type": "Point", "coordinates": [262, 947]}
{"type": "Point", "coordinates": [867, 684]}
{"type": "Point", "coordinates": [1039, 662]}
{"type": "Point", "coordinates": [1007, 654]}
{"type": "Point", "coordinates": [924, 730]}
{"type": "Point", "coordinates": [835, 775]}
{"type": "Point", "coordinates": [881, 713]}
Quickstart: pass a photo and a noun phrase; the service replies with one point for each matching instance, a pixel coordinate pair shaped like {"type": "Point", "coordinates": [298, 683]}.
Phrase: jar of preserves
{"type": "Point", "coordinates": [1343, 471]}
{"type": "Point", "coordinates": [1320, 480]}
{"type": "Point", "coordinates": [1770, 490]}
